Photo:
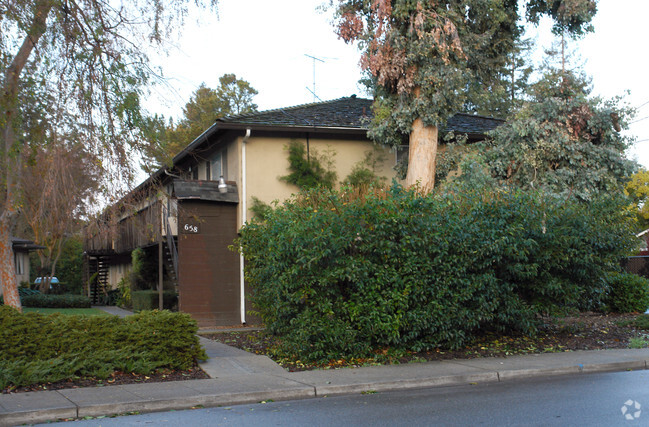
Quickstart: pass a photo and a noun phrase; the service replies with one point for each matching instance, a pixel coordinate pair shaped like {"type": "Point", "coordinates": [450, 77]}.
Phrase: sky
{"type": "Point", "coordinates": [267, 43]}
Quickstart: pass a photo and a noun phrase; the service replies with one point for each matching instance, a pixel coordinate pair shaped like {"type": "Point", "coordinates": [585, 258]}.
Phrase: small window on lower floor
{"type": "Point", "coordinates": [18, 262]}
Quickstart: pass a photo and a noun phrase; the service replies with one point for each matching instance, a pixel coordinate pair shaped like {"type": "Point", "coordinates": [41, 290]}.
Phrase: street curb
{"type": "Point", "coordinates": [636, 365]}
{"type": "Point", "coordinates": [192, 402]}
{"type": "Point", "coordinates": [451, 380]}
{"type": "Point", "coordinates": [37, 416]}
{"type": "Point", "coordinates": [307, 391]}
{"type": "Point", "coordinates": [540, 372]}
{"type": "Point", "coordinates": [151, 405]}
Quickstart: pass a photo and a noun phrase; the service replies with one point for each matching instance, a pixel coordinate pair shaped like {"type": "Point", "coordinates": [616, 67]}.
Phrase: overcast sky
{"type": "Point", "coordinates": [266, 43]}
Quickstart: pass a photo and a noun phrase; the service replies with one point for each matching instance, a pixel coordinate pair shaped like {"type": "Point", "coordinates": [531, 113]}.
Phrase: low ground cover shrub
{"type": "Point", "coordinates": [627, 293]}
{"type": "Point", "coordinates": [36, 348]}
{"type": "Point", "coordinates": [344, 274]}
{"type": "Point", "coordinates": [642, 322]}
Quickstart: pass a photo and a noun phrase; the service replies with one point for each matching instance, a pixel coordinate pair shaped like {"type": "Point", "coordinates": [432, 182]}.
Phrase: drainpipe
{"type": "Point", "coordinates": [244, 213]}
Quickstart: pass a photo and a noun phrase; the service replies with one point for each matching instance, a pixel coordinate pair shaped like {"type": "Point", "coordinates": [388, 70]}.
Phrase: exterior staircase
{"type": "Point", "coordinates": [170, 250]}
{"type": "Point", "coordinates": [97, 277]}
{"type": "Point", "coordinates": [170, 260]}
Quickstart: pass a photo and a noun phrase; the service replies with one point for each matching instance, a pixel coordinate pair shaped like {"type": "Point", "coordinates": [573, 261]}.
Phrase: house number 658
{"type": "Point", "coordinates": [191, 228]}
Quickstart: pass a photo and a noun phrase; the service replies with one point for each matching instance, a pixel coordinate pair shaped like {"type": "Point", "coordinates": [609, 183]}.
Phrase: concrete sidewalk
{"type": "Point", "coordinates": [239, 377]}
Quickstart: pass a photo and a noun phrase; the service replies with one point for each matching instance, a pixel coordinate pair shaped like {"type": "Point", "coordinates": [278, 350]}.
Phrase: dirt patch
{"type": "Point", "coordinates": [117, 378]}
{"type": "Point", "coordinates": [588, 331]}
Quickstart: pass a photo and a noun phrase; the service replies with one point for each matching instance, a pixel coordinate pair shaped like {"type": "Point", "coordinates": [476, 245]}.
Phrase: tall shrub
{"type": "Point", "coordinates": [338, 274]}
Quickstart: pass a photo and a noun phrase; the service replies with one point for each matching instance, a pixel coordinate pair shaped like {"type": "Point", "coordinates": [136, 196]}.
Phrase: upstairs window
{"type": "Point", "coordinates": [217, 166]}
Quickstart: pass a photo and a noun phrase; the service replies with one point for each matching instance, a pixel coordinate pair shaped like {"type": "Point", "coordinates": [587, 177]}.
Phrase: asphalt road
{"type": "Point", "coordinates": [608, 399]}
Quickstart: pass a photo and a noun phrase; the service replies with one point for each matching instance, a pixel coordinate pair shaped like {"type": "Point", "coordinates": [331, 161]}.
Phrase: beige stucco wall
{"type": "Point", "coordinates": [117, 272]}
{"type": "Point", "coordinates": [267, 161]}
{"type": "Point", "coordinates": [21, 260]}
{"type": "Point", "coordinates": [232, 155]}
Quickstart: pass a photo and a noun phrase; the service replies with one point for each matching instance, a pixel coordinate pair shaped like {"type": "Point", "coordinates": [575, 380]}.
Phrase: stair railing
{"type": "Point", "coordinates": [171, 244]}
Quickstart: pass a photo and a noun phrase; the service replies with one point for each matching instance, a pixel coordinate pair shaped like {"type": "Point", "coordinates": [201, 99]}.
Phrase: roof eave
{"type": "Point", "coordinates": [293, 128]}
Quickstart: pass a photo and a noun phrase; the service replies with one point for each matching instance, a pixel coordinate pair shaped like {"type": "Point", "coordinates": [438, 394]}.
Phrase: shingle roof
{"type": "Point", "coordinates": [24, 244]}
{"type": "Point", "coordinates": [472, 124]}
{"type": "Point", "coordinates": [347, 113]}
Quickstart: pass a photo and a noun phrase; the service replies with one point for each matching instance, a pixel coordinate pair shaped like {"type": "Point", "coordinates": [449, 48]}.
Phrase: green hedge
{"type": "Point", "coordinates": [337, 275]}
{"type": "Point", "coordinates": [21, 293]}
{"type": "Point", "coordinates": [55, 301]}
{"type": "Point", "coordinates": [37, 348]}
{"type": "Point", "coordinates": [148, 300]}
{"type": "Point", "coordinates": [33, 298]}
{"type": "Point", "coordinates": [627, 293]}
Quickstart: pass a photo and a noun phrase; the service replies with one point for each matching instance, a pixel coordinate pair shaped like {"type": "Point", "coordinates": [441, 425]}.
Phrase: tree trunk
{"type": "Point", "coordinates": [422, 156]}
{"type": "Point", "coordinates": [7, 267]}
{"type": "Point", "coordinates": [11, 163]}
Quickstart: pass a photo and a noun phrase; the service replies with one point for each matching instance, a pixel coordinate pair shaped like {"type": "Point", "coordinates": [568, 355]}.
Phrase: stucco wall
{"type": "Point", "coordinates": [21, 263]}
{"type": "Point", "coordinates": [267, 161]}
{"type": "Point", "coordinates": [117, 272]}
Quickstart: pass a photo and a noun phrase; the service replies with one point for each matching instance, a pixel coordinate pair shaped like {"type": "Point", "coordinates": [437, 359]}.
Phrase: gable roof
{"type": "Point", "coordinates": [343, 115]}
{"type": "Point", "coordinates": [349, 113]}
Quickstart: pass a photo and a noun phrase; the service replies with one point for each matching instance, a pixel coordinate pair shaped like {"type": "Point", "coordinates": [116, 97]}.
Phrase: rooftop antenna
{"type": "Point", "coordinates": [313, 91]}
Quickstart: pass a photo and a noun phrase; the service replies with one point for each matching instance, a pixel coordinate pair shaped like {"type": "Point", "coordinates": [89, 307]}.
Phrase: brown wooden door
{"type": "Point", "coordinates": [209, 285]}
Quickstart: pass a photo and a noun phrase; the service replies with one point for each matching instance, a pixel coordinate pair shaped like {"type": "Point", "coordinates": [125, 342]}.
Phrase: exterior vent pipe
{"type": "Point", "coordinates": [244, 214]}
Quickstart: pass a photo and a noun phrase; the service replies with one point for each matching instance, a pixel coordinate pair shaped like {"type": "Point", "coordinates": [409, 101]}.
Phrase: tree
{"type": "Point", "coordinates": [505, 94]}
{"type": "Point", "coordinates": [638, 190]}
{"type": "Point", "coordinates": [236, 95]}
{"type": "Point", "coordinates": [563, 141]}
{"type": "Point", "coordinates": [54, 196]}
{"type": "Point", "coordinates": [233, 96]}
{"type": "Point", "coordinates": [89, 56]}
{"type": "Point", "coordinates": [424, 59]}
{"type": "Point", "coordinates": [70, 265]}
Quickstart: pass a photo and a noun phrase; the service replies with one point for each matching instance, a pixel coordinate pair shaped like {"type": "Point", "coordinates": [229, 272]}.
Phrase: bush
{"type": "Point", "coordinates": [641, 322]}
{"type": "Point", "coordinates": [148, 300]}
{"type": "Point", "coordinates": [37, 348]}
{"type": "Point", "coordinates": [110, 297]}
{"type": "Point", "coordinates": [341, 274]}
{"type": "Point", "coordinates": [55, 301]}
{"type": "Point", "coordinates": [33, 298]}
{"type": "Point", "coordinates": [627, 293]}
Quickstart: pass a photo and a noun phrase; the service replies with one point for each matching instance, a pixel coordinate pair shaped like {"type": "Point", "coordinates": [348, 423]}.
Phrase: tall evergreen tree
{"type": "Point", "coordinates": [564, 141]}
{"type": "Point", "coordinates": [425, 58]}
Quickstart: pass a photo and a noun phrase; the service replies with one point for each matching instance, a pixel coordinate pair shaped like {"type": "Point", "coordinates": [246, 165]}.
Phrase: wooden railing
{"type": "Point", "coordinates": [140, 229]}
{"type": "Point", "coordinates": [171, 243]}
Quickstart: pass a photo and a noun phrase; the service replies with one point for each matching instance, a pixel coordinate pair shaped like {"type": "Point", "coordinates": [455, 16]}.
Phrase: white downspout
{"type": "Point", "coordinates": [244, 213]}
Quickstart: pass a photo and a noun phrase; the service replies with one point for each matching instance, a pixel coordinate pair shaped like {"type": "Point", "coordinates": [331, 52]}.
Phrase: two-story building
{"type": "Point", "coordinates": [196, 218]}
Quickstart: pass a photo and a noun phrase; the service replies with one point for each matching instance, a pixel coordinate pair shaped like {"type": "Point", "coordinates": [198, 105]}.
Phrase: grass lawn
{"type": "Point", "coordinates": [67, 311]}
